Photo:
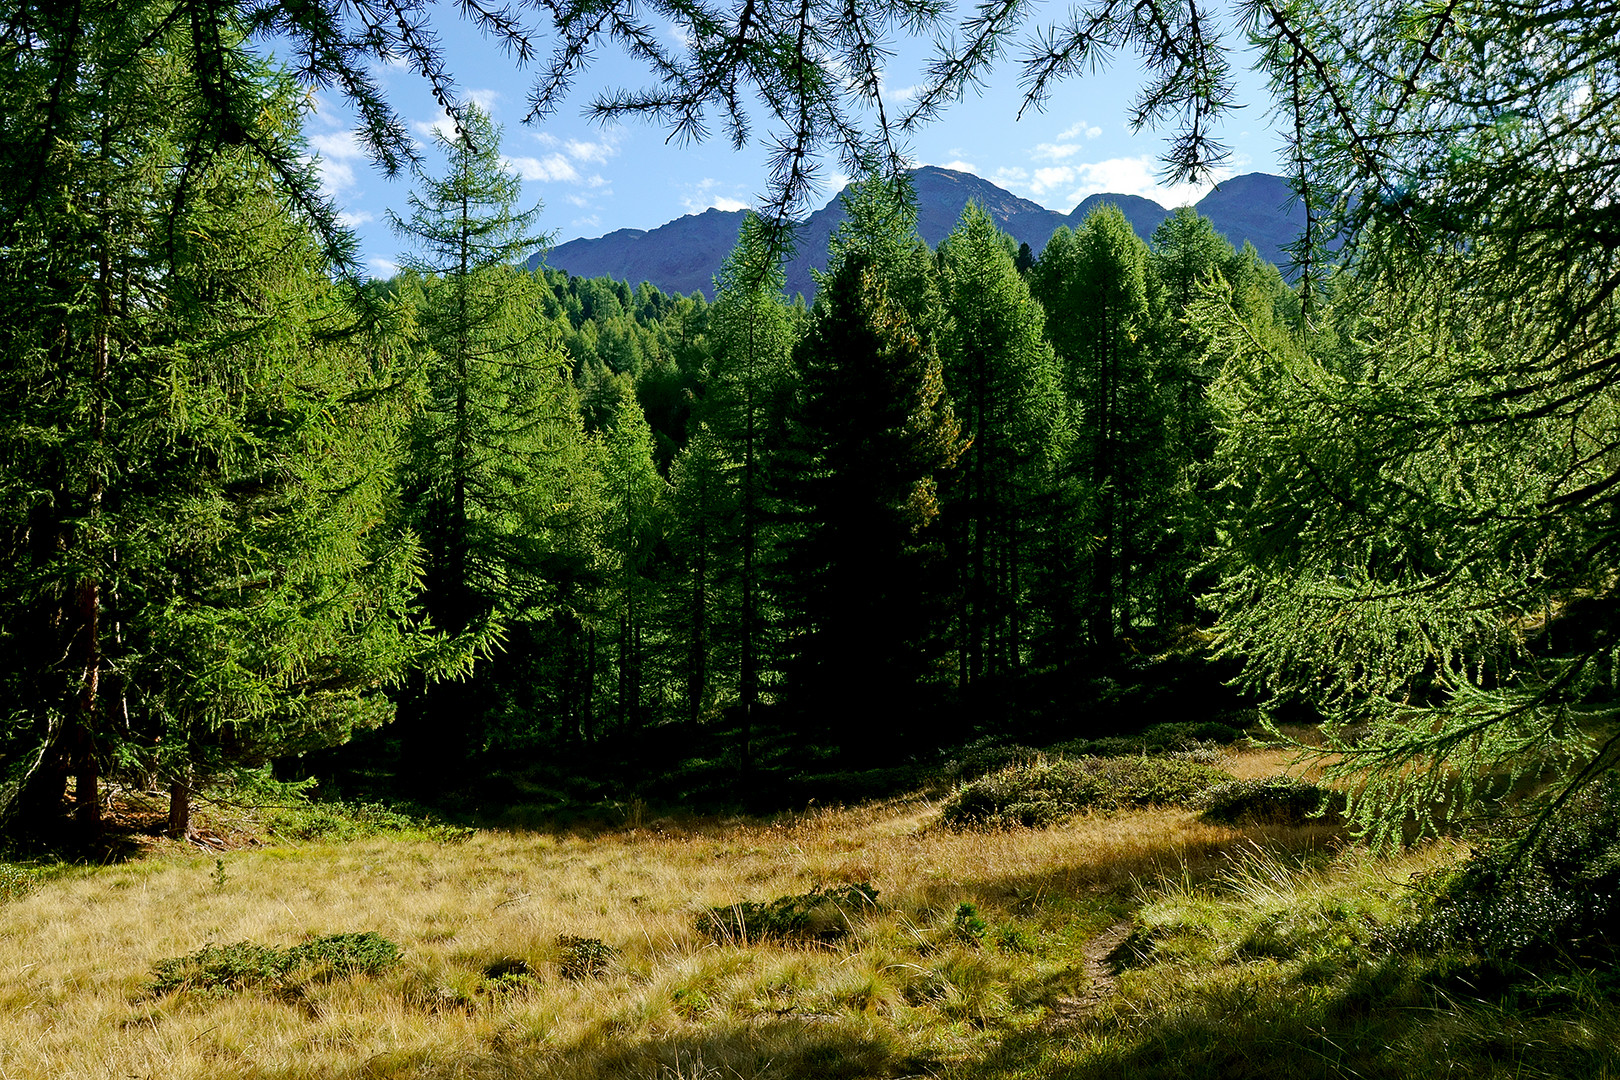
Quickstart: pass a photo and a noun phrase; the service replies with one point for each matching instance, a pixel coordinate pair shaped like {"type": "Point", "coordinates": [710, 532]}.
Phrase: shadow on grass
{"type": "Point", "coordinates": [1374, 1021]}
{"type": "Point", "coordinates": [786, 1049]}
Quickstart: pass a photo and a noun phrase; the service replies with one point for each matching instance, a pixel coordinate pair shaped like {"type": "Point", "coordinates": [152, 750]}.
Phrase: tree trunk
{"type": "Point", "coordinates": [180, 807]}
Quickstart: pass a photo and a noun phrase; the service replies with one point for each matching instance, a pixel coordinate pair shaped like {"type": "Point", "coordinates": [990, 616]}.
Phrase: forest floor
{"type": "Point", "coordinates": [1131, 944]}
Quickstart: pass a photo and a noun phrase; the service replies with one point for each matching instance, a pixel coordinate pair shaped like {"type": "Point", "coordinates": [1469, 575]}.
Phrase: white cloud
{"type": "Point", "coordinates": [551, 168]}
{"type": "Point", "coordinates": [484, 99]}
{"type": "Point", "coordinates": [442, 128]}
{"type": "Point", "coordinates": [586, 222]}
{"type": "Point", "coordinates": [384, 267]}
{"type": "Point", "coordinates": [1055, 151]}
{"type": "Point", "coordinates": [961, 166]}
{"type": "Point", "coordinates": [595, 152]}
{"type": "Point", "coordinates": [1078, 128]}
{"type": "Point", "coordinates": [703, 197]}
{"type": "Point", "coordinates": [1051, 176]}
{"type": "Point", "coordinates": [1010, 177]}
{"type": "Point", "coordinates": [578, 200]}
{"type": "Point", "coordinates": [335, 154]}
{"type": "Point", "coordinates": [1131, 176]}
{"type": "Point", "coordinates": [350, 221]}
{"type": "Point", "coordinates": [597, 180]}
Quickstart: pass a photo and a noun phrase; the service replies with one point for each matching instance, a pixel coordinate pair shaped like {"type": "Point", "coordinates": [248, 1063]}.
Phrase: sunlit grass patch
{"type": "Point", "coordinates": [580, 953]}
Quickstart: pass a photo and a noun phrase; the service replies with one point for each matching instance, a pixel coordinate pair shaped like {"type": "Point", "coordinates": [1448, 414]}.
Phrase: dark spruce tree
{"type": "Point", "coordinates": [871, 438]}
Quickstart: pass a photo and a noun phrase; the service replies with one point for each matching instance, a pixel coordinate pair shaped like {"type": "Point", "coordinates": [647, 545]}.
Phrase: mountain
{"type": "Point", "coordinates": [684, 255]}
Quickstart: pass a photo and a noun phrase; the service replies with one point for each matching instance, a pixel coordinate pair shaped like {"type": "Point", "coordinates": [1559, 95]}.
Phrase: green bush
{"type": "Point", "coordinates": [1536, 903]}
{"type": "Point", "coordinates": [1045, 793]}
{"type": "Point", "coordinates": [584, 958]}
{"type": "Point", "coordinates": [1178, 737]}
{"type": "Point", "coordinates": [822, 914]}
{"type": "Point", "coordinates": [245, 965]}
{"type": "Point", "coordinates": [1274, 800]}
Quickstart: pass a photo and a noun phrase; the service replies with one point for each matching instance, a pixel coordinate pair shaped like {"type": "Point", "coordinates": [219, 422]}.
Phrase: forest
{"type": "Point", "coordinates": [979, 542]}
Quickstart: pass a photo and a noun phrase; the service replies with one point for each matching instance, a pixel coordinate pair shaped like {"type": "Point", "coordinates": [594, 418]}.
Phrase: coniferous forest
{"type": "Point", "coordinates": [1182, 650]}
{"type": "Point", "coordinates": [473, 519]}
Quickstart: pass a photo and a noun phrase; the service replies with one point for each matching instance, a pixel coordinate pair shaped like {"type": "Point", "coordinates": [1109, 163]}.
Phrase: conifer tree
{"type": "Point", "coordinates": [634, 525]}
{"type": "Point", "coordinates": [871, 438]}
{"type": "Point", "coordinates": [196, 456]}
{"type": "Point", "coordinates": [706, 523]}
{"type": "Point", "coordinates": [752, 338]}
{"type": "Point", "coordinates": [1093, 286]}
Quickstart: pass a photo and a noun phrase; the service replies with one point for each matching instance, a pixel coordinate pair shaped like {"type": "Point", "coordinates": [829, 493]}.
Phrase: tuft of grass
{"type": "Point", "coordinates": [1044, 793]}
{"type": "Point", "coordinates": [584, 957]}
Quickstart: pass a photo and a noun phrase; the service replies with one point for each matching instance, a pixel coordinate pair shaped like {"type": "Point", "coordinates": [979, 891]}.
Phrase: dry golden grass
{"type": "Point", "coordinates": [77, 953]}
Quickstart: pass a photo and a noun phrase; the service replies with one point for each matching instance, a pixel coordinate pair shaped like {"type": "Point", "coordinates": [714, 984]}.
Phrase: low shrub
{"type": "Point", "coordinates": [1532, 904]}
{"type": "Point", "coordinates": [822, 914]}
{"type": "Point", "coordinates": [1204, 736]}
{"type": "Point", "coordinates": [1272, 800]}
{"type": "Point", "coordinates": [345, 821]}
{"type": "Point", "coordinates": [584, 958]}
{"type": "Point", "coordinates": [246, 965]}
{"type": "Point", "coordinates": [1045, 793]}
{"type": "Point", "coordinates": [982, 757]}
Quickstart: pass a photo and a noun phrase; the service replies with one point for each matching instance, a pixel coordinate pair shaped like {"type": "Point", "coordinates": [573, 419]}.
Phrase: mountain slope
{"type": "Point", "coordinates": [683, 256]}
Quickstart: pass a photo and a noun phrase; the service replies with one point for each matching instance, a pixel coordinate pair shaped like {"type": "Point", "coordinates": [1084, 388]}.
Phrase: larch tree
{"type": "Point", "coordinates": [1007, 392]}
{"type": "Point", "coordinates": [486, 448]}
{"type": "Point", "coordinates": [751, 335]}
{"type": "Point", "coordinates": [1093, 286]}
{"type": "Point", "coordinates": [198, 436]}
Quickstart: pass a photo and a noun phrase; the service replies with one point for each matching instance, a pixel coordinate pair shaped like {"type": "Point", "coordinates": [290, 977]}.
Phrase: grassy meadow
{"type": "Point", "coordinates": [1130, 943]}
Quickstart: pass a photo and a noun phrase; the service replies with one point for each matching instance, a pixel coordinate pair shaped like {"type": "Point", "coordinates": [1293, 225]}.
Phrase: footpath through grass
{"type": "Point", "coordinates": [727, 949]}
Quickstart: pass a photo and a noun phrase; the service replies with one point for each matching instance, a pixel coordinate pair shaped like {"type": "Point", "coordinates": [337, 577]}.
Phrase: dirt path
{"type": "Point", "coordinates": [1101, 982]}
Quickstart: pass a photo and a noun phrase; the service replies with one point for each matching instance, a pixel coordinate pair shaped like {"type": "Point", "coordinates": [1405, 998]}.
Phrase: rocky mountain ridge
{"type": "Point", "coordinates": [683, 255]}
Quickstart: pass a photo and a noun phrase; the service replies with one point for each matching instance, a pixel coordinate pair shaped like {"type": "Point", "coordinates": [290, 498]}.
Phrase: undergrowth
{"type": "Point", "coordinates": [245, 965]}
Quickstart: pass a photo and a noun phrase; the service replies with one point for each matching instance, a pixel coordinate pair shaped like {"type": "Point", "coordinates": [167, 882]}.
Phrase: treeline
{"type": "Point", "coordinates": [249, 511]}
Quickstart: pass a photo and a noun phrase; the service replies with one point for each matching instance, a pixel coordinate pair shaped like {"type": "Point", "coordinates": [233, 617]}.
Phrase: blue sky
{"type": "Point", "coordinates": [593, 180]}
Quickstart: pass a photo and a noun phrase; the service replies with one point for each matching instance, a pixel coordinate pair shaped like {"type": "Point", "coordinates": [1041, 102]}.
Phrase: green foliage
{"type": "Point", "coordinates": [198, 429]}
{"type": "Point", "coordinates": [1274, 800]}
{"type": "Point", "coordinates": [969, 925]}
{"type": "Point", "coordinates": [18, 881]}
{"type": "Point", "coordinates": [245, 965]}
{"type": "Point", "coordinates": [872, 437]}
{"type": "Point", "coordinates": [1045, 793]}
{"type": "Point", "coordinates": [1006, 388]}
{"type": "Point", "coordinates": [823, 914]}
